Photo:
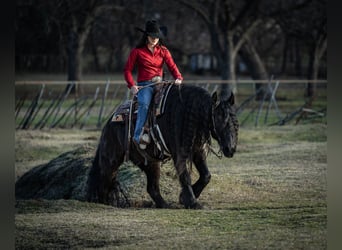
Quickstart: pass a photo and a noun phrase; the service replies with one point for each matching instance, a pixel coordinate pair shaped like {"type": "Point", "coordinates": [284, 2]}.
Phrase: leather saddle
{"type": "Point", "coordinates": [157, 107]}
{"type": "Point", "coordinates": [158, 104]}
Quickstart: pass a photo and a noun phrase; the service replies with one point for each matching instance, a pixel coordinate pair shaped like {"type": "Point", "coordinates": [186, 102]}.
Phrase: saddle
{"type": "Point", "coordinates": [124, 114]}
{"type": "Point", "coordinates": [121, 113]}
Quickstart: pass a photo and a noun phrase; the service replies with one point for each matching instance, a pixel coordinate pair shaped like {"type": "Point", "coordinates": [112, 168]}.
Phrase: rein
{"type": "Point", "coordinates": [156, 83]}
{"type": "Point", "coordinates": [219, 152]}
{"type": "Point", "coordinates": [213, 124]}
{"type": "Point", "coordinates": [129, 137]}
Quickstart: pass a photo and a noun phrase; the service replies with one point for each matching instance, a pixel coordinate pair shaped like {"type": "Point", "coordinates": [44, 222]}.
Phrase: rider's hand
{"type": "Point", "coordinates": [134, 89]}
{"type": "Point", "coordinates": [178, 81]}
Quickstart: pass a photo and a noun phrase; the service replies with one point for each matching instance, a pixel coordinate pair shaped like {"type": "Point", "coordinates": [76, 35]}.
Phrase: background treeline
{"type": "Point", "coordinates": [226, 38]}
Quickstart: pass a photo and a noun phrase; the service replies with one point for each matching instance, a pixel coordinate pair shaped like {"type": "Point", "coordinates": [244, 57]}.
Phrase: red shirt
{"type": "Point", "coordinates": [149, 64]}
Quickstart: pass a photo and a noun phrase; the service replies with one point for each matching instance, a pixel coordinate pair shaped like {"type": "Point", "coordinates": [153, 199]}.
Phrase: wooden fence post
{"type": "Point", "coordinates": [61, 101]}
{"type": "Point", "coordinates": [98, 125]}
{"type": "Point", "coordinates": [33, 106]}
{"type": "Point", "coordinates": [90, 107]}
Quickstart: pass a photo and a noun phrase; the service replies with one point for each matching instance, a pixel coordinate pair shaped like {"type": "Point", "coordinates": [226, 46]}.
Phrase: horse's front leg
{"type": "Point", "coordinates": [199, 160]}
{"type": "Point", "coordinates": [186, 197]}
{"type": "Point", "coordinates": [152, 171]}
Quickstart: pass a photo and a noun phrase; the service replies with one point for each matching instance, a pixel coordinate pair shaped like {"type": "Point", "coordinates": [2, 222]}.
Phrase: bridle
{"type": "Point", "coordinates": [213, 131]}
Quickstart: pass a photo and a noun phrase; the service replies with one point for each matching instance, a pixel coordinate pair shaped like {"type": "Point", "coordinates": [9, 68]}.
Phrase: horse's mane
{"type": "Point", "coordinates": [192, 108]}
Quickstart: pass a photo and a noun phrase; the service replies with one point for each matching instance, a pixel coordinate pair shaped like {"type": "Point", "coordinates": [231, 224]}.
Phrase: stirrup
{"type": "Point", "coordinates": [145, 139]}
{"type": "Point", "coordinates": [139, 145]}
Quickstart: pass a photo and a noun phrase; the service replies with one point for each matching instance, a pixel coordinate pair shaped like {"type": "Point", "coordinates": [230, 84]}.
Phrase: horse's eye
{"type": "Point", "coordinates": [222, 117]}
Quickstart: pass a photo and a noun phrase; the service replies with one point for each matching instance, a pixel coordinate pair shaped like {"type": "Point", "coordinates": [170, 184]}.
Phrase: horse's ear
{"type": "Point", "coordinates": [231, 99]}
{"type": "Point", "coordinates": [215, 99]}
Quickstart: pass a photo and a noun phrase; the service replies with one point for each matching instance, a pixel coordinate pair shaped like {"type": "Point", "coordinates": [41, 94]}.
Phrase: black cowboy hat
{"type": "Point", "coordinates": [151, 29]}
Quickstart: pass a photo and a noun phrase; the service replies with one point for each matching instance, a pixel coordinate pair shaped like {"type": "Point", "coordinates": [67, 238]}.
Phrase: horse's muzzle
{"type": "Point", "coordinates": [228, 152]}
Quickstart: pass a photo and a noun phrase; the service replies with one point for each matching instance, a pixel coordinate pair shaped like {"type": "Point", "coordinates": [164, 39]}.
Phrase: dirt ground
{"type": "Point", "coordinates": [270, 195]}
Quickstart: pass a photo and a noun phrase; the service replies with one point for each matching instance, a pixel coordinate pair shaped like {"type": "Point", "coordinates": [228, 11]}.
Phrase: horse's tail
{"type": "Point", "coordinates": [94, 179]}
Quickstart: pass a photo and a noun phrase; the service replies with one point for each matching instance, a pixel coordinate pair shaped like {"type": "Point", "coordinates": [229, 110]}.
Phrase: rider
{"type": "Point", "coordinates": [148, 56]}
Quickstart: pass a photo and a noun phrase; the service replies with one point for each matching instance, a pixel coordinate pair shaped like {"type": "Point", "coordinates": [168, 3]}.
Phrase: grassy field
{"type": "Point", "coordinates": [271, 195]}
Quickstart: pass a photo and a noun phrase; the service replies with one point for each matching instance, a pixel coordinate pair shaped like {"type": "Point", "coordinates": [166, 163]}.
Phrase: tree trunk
{"type": "Point", "coordinates": [95, 54]}
{"type": "Point", "coordinates": [75, 50]}
{"type": "Point", "coordinates": [312, 72]}
{"type": "Point", "coordinates": [298, 59]}
{"type": "Point", "coordinates": [255, 66]}
{"type": "Point", "coordinates": [73, 45]}
{"type": "Point", "coordinates": [284, 59]}
{"type": "Point", "coordinates": [231, 65]}
{"type": "Point", "coordinates": [317, 51]}
{"type": "Point", "coordinates": [221, 57]}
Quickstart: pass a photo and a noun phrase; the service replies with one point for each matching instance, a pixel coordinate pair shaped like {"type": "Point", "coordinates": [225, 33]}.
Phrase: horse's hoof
{"type": "Point", "coordinates": [196, 205]}
{"type": "Point", "coordinates": [189, 205]}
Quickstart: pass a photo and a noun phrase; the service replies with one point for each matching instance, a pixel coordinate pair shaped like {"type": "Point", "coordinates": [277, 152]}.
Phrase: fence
{"type": "Point", "coordinates": [88, 104]}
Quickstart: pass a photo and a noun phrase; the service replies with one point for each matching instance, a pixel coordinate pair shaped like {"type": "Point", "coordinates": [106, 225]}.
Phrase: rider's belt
{"type": "Point", "coordinates": [153, 79]}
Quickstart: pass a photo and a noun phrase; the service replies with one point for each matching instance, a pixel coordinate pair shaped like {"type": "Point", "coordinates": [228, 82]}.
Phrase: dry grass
{"type": "Point", "coordinates": [271, 195]}
{"type": "Point", "coordinates": [35, 147]}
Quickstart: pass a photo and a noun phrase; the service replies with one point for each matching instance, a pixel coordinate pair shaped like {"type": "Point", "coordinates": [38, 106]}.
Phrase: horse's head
{"type": "Point", "coordinates": [225, 124]}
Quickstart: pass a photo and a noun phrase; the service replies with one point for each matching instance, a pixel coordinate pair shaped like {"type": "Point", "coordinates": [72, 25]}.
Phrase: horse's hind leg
{"type": "Point", "coordinates": [202, 168]}
{"type": "Point", "coordinates": [152, 171]}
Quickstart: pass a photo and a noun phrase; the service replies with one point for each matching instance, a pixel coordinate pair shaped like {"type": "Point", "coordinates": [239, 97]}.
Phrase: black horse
{"type": "Point", "coordinates": [190, 119]}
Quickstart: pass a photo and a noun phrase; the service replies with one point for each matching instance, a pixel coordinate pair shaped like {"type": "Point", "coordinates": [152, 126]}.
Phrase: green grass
{"type": "Point", "coordinates": [74, 224]}
{"type": "Point", "coordinates": [270, 195]}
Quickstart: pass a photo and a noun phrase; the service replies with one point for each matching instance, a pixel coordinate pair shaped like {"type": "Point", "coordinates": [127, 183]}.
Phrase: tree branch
{"type": "Point", "coordinates": [245, 35]}
{"type": "Point", "coordinates": [107, 7]}
{"type": "Point", "coordinates": [289, 10]}
{"type": "Point", "coordinates": [322, 48]}
{"type": "Point", "coordinates": [193, 6]}
{"type": "Point", "coordinates": [245, 12]}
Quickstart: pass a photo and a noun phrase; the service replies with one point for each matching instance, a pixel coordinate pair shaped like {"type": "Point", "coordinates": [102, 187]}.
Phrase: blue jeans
{"type": "Point", "coordinates": [144, 100]}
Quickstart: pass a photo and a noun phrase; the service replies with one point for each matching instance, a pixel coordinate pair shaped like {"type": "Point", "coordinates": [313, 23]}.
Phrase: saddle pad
{"type": "Point", "coordinates": [121, 112]}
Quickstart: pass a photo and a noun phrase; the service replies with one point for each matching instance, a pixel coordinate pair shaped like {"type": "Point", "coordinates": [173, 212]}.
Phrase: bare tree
{"type": "Point", "coordinates": [230, 24]}
{"type": "Point", "coordinates": [74, 20]}
{"type": "Point", "coordinates": [261, 33]}
{"type": "Point", "coordinates": [307, 25]}
{"type": "Point", "coordinates": [233, 25]}
{"type": "Point", "coordinates": [79, 19]}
